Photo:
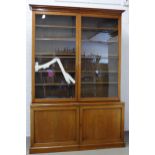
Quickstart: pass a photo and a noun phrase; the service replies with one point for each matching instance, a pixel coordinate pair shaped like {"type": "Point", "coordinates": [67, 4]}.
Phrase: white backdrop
{"type": "Point", "coordinates": [125, 52]}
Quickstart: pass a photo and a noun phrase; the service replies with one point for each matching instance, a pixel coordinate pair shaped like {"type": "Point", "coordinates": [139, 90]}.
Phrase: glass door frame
{"type": "Point", "coordinates": [49, 100]}
{"type": "Point", "coordinates": [117, 98]}
{"type": "Point", "coordinates": [78, 43]}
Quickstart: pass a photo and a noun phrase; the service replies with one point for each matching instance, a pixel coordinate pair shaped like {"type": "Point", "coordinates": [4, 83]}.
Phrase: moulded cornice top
{"type": "Point", "coordinates": [73, 9]}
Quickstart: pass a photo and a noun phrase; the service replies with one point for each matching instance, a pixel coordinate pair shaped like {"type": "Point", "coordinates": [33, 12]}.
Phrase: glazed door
{"type": "Point", "coordinates": [54, 57]}
{"type": "Point", "coordinates": [99, 58]}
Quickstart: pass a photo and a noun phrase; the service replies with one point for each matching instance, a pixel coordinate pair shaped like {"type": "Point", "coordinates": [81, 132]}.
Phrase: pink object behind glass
{"type": "Point", "coordinates": [50, 73]}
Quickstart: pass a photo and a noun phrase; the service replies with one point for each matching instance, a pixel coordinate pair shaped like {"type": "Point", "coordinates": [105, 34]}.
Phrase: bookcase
{"type": "Point", "coordinates": [76, 67]}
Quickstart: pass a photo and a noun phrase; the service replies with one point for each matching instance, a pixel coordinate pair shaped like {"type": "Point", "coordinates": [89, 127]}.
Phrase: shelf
{"type": "Point", "coordinates": [53, 84]}
{"type": "Point", "coordinates": [55, 39]}
{"type": "Point", "coordinates": [73, 57]}
{"type": "Point", "coordinates": [56, 26]}
{"type": "Point", "coordinates": [97, 41]}
{"type": "Point", "coordinates": [52, 56]}
{"type": "Point", "coordinates": [100, 28]}
{"type": "Point", "coordinates": [59, 54]}
{"type": "Point", "coordinates": [99, 83]}
{"type": "Point", "coordinates": [63, 84]}
{"type": "Point", "coordinates": [100, 72]}
{"type": "Point", "coordinates": [101, 57]}
{"type": "Point", "coordinates": [44, 71]}
{"type": "Point", "coordinates": [72, 27]}
{"type": "Point", "coordinates": [71, 39]}
{"type": "Point", "coordinates": [73, 71]}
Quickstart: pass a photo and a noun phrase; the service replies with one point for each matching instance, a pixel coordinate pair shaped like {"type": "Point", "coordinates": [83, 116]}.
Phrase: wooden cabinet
{"type": "Point", "coordinates": [76, 55]}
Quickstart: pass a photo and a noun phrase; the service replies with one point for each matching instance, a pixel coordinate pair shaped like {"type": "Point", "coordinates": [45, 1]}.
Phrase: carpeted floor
{"type": "Point", "coordinates": [111, 151]}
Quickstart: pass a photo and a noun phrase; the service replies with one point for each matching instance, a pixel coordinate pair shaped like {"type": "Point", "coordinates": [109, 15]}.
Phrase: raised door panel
{"type": "Point", "coordinates": [54, 126]}
{"type": "Point", "coordinates": [101, 124]}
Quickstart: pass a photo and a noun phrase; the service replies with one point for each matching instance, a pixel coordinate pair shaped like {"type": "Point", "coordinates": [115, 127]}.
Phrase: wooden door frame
{"type": "Point", "coordinates": [48, 100]}
{"type": "Point", "coordinates": [78, 17]}
{"type": "Point", "coordinates": [117, 98]}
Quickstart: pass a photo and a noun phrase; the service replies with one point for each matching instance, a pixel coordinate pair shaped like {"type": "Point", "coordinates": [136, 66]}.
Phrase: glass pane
{"type": "Point", "coordinates": [55, 56]}
{"type": "Point", "coordinates": [99, 54]}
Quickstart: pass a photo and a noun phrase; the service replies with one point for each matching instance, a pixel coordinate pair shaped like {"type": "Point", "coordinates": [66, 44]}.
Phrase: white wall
{"type": "Point", "coordinates": [125, 55]}
{"type": "Point", "coordinates": [125, 66]}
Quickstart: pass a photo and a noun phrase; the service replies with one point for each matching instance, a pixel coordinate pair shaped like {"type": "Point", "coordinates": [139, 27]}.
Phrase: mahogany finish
{"type": "Point", "coordinates": [66, 127]}
{"type": "Point", "coordinates": [55, 125]}
{"type": "Point", "coordinates": [66, 124]}
{"type": "Point", "coordinates": [78, 10]}
{"type": "Point", "coordinates": [101, 124]}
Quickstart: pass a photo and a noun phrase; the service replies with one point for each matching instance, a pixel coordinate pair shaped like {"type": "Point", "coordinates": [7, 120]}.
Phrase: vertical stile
{"type": "Point", "coordinates": [119, 56]}
{"type": "Point", "coordinates": [78, 53]}
{"type": "Point", "coordinates": [33, 55]}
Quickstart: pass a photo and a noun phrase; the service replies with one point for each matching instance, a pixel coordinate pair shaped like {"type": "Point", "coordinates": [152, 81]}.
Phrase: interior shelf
{"type": "Point", "coordinates": [101, 57]}
{"type": "Point", "coordinates": [73, 71]}
{"type": "Point", "coordinates": [58, 54]}
{"type": "Point", "coordinates": [65, 54]}
{"type": "Point", "coordinates": [61, 57]}
{"type": "Point", "coordinates": [71, 39]}
{"type": "Point", "coordinates": [53, 84]}
{"type": "Point", "coordinates": [56, 39]}
{"type": "Point", "coordinates": [100, 28]}
{"type": "Point", "coordinates": [72, 27]}
{"type": "Point", "coordinates": [96, 83]}
{"type": "Point", "coordinates": [104, 42]}
{"type": "Point", "coordinates": [68, 71]}
{"type": "Point", "coordinates": [100, 72]}
{"type": "Point", "coordinates": [73, 57]}
{"type": "Point", "coordinates": [63, 84]}
{"type": "Point", "coordinates": [56, 26]}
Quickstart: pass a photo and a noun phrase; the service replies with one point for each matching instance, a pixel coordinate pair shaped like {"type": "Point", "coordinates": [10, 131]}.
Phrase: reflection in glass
{"type": "Point", "coordinates": [99, 54]}
{"type": "Point", "coordinates": [55, 44]}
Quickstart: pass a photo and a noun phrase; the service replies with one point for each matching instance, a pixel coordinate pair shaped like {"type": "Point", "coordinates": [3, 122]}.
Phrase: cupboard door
{"type": "Point", "coordinates": [55, 126]}
{"type": "Point", "coordinates": [55, 56]}
{"type": "Point", "coordinates": [101, 124]}
{"type": "Point", "coordinates": [99, 57]}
